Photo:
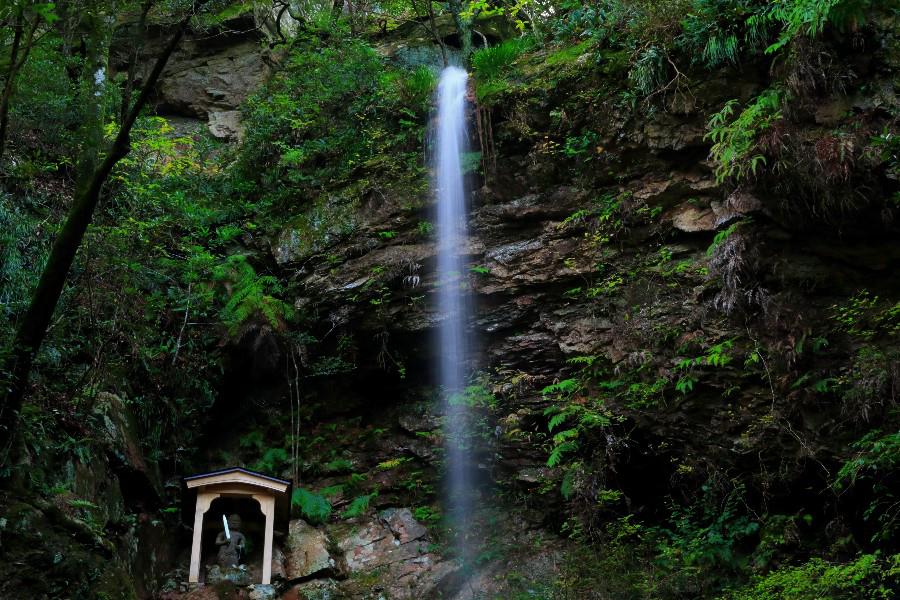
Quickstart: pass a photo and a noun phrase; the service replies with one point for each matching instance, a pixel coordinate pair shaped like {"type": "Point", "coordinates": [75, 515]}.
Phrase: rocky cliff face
{"type": "Point", "coordinates": [614, 255]}
{"type": "Point", "coordinates": [210, 74]}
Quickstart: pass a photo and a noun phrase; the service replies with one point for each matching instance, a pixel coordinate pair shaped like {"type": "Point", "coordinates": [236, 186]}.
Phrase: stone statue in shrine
{"type": "Point", "coordinates": [230, 542]}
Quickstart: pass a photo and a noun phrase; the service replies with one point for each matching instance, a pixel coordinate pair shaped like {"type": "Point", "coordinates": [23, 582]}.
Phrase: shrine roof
{"type": "Point", "coordinates": [237, 475]}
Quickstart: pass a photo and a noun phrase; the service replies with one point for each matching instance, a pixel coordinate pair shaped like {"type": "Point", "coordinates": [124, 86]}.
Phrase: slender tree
{"type": "Point", "coordinates": [31, 330]}
{"type": "Point", "coordinates": [428, 10]}
{"type": "Point", "coordinates": [138, 40]}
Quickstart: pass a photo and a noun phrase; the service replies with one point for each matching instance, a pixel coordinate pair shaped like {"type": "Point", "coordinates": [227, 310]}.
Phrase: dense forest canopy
{"type": "Point", "coordinates": [217, 248]}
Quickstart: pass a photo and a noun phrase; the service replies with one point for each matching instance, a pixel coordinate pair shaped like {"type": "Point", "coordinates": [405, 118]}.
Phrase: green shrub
{"type": "Point", "coordinates": [418, 86]}
{"type": "Point", "coordinates": [716, 32]}
{"type": "Point", "coordinates": [868, 577]}
{"type": "Point", "coordinates": [491, 63]}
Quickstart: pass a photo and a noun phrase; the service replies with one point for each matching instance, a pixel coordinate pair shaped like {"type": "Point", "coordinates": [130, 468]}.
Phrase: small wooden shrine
{"type": "Point", "coordinates": [272, 495]}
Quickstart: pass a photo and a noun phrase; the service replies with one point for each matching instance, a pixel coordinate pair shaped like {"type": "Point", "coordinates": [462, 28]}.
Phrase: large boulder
{"type": "Point", "coordinates": [307, 551]}
{"type": "Point", "coordinates": [391, 554]}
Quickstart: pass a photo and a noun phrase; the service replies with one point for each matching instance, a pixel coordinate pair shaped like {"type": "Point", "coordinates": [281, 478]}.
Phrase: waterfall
{"type": "Point", "coordinates": [453, 343]}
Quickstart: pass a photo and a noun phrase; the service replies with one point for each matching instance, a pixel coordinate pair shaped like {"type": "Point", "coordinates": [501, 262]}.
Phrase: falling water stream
{"type": "Point", "coordinates": [453, 305]}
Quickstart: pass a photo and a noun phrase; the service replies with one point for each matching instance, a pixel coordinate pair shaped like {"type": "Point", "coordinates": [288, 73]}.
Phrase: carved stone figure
{"type": "Point", "coordinates": [230, 550]}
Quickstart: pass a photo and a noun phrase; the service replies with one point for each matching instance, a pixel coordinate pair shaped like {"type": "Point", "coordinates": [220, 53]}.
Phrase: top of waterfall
{"type": "Point", "coordinates": [452, 76]}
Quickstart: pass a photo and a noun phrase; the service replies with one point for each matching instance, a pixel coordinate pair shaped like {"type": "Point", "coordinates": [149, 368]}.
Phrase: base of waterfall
{"type": "Point", "coordinates": [391, 555]}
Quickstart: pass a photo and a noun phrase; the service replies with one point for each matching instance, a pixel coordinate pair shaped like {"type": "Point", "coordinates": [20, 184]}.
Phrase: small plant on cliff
{"type": "Point", "coordinates": [250, 295]}
{"type": "Point", "coordinates": [313, 507]}
{"type": "Point", "coordinates": [358, 506]}
{"type": "Point", "coordinates": [809, 17]}
{"type": "Point", "coordinates": [418, 85]}
{"type": "Point", "coordinates": [716, 356]}
{"type": "Point", "coordinates": [735, 147]}
{"type": "Point", "coordinates": [573, 414]}
{"type": "Point", "coordinates": [491, 63]}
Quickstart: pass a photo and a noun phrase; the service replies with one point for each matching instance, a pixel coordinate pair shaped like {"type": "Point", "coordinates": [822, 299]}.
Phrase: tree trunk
{"type": "Point", "coordinates": [15, 63]}
{"type": "Point", "coordinates": [16, 366]}
{"type": "Point", "coordinates": [93, 82]}
{"type": "Point", "coordinates": [337, 9]}
{"type": "Point", "coordinates": [463, 27]}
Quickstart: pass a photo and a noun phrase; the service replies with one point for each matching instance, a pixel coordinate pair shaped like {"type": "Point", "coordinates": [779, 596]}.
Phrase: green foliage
{"type": "Point", "coordinates": [717, 32]}
{"type": "Point", "coordinates": [493, 67]}
{"type": "Point", "coordinates": [706, 537]}
{"type": "Point", "coordinates": [313, 507]}
{"type": "Point", "coordinates": [358, 506]}
{"type": "Point", "coordinates": [583, 145]}
{"type": "Point", "coordinates": [649, 70]}
{"type": "Point", "coordinates": [338, 465]}
{"type": "Point", "coordinates": [661, 38]}
{"type": "Point", "coordinates": [723, 235]}
{"type": "Point", "coordinates": [492, 63]}
{"type": "Point", "coordinates": [873, 470]}
{"type": "Point", "coordinates": [333, 115]}
{"type": "Point", "coordinates": [418, 86]}
{"type": "Point", "coordinates": [572, 416]}
{"type": "Point", "coordinates": [427, 515]}
{"type": "Point", "coordinates": [867, 577]}
{"type": "Point", "coordinates": [272, 461]}
{"type": "Point", "coordinates": [46, 109]}
{"type": "Point", "coordinates": [392, 463]}
{"type": "Point", "coordinates": [735, 147]}
{"type": "Point", "coordinates": [716, 356]}
{"type": "Point", "coordinates": [866, 316]}
{"type": "Point", "coordinates": [425, 228]}
{"type": "Point", "coordinates": [700, 549]}
{"type": "Point", "coordinates": [809, 17]}
{"type": "Point", "coordinates": [20, 257]}
{"type": "Point", "coordinates": [476, 395]}
{"type": "Point", "coordinates": [250, 295]}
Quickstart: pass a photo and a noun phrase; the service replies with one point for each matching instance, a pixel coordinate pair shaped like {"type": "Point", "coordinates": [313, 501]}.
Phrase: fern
{"type": "Point", "coordinates": [649, 70]}
{"type": "Point", "coordinates": [809, 17]}
{"type": "Point", "coordinates": [556, 455]}
{"type": "Point", "coordinates": [566, 386]}
{"type": "Point", "coordinates": [250, 295]}
{"type": "Point", "coordinates": [272, 460]}
{"type": "Point", "coordinates": [567, 489]}
{"type": "Point", "coordinates": [586, 361]}
{"type": "Point", "coordinates": [557, 420]}
{"type": "Point", "coordinates": [735, 138]}
{"type": "Point", "coordinates": [565, 436]}
{"type": "Point", "coordinates": [720, 49]}
{"type": "Point", "coordinates": [313, 507]}
{"type": "Point", "coordinates": [358, 506]}
{"type": "Point", "coordinates": [724, 235]}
